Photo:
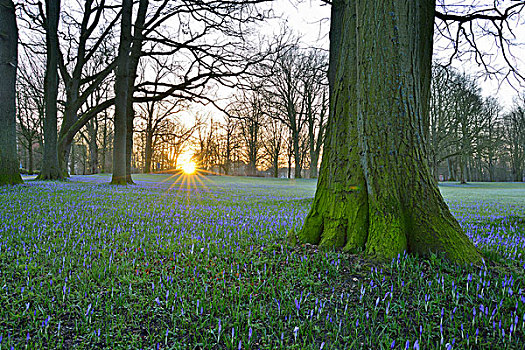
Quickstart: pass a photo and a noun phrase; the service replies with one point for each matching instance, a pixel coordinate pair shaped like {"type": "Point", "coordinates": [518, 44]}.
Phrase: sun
{"type": "Point", "coordinates": [189, 168]}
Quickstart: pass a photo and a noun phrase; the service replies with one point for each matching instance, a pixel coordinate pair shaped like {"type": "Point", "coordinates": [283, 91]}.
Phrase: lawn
{"type": "Point", "coordinates": [205, 264]}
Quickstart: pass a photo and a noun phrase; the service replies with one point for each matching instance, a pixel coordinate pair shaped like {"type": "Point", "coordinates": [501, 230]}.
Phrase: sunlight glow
{"type": "Point", "coordinates": [189, 168]}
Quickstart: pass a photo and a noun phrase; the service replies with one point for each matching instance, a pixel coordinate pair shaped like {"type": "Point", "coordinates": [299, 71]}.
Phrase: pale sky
{"type": "Point", "coordinates": [310, 18]}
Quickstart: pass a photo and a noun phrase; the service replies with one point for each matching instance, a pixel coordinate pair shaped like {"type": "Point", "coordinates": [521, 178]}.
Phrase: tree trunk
{"type": "Point", "coordinates": [104, 142]}
{"type": "Point", "coordinates": [289, 164]}
{"type": "Point", "coordinates": [121, 94]}
{"type": "Point", "coordinates": [148, 152]}
{"type": "Point", "coordinates": [375, 191]}
{"type": "Point", "coordinates": [134, 59]}
{"type": "Point", "coordinates": [9, 173]}
{"type": "Point", "coordinates": [71, 159]}
{"type": "Point", "coordinates": [297, 156]}
{"type": "Point", "coordinates": [31, 159]}
{"type": "Point", "coordinates": [50, 166]}
{"type": "Point", "coordinates": [66, 138]}
{"type": "Point", "coordinates": [314, 159]}
{"type": "Point", "coordinates": [130, 116]}
{"type": "Point", "coordinates": [92, 131]}
{"type": "Point", "coordinates": [463, 170]}
{"type": "Point", "coordinates": [276, 166]}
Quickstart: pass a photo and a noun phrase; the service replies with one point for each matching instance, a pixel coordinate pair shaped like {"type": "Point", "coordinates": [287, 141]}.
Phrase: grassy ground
{"type": "Point", "coordinates": [204, 264]}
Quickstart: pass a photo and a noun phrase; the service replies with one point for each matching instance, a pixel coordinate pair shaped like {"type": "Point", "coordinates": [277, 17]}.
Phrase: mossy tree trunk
{"type": "Point", "coordinates": [9, 173]}
{"type": "Point", "coordinates": [375, 191]}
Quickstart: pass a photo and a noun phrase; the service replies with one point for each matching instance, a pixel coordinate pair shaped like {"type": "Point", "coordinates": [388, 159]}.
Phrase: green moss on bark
{"type": "Point", "coordinates": [10, 179]}
{"type": "Point", "coordinates": [375, 190]}
{"type": "Point", "coordinates": [387, 236]}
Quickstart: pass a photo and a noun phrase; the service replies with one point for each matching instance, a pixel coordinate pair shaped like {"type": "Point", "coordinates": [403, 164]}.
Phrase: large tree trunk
{"type": "Point", "coordinates": [135, 54]}
{"type": "Point", "coordinates": [9, 173]}
{"type": "Point", "coordinates": [121, 100]}
{"type": "Point", "coordinates": [50, 166]}
{"type": "Point", "coordinates": [314, 159]}
{"type": "Point", "coordinates": [375, 191]}
{"type": "Point", "coordinates": [66, 138]}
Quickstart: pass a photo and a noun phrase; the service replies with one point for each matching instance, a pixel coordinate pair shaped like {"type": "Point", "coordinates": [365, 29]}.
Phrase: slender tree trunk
{"type": "Point", "coordinates": [463, 170]}
{"type": "Point", "coordinates": [93, 156]}
{"type": "Point", "coordinates": [9, 173]}
{"type": "Point", "coordinates": [92, 130]}
{"type": "Point", "coordinates": [276, 166]}
{"type": "Point", "coordinates": [297, 156]}
{"type": "Point", "coordinates": [148, 151]}
{"type": "Point", "coordinates": [50, 166]}
{"type": "Point", "coordinates": [375, 191]}
{"type": "Point", "coordinates": [31, 160]}
{"type": "Point", "coordinates": [289, 164]}
{"type": "Point", "coordinates": [121, 97]}
{"type": "Point", "coordinates": [72, 159]}
{"type": "Point", "coordinates": [129, 136]}
{"type": "Point", "coordinates": [104, 142]}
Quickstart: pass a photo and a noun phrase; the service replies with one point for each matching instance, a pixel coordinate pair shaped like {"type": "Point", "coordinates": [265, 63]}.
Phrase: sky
{"type": "Point", "coordinates": [311, 19]}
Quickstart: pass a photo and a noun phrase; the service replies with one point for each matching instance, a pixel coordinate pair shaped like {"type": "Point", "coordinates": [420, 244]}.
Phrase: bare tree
{"type": "Point", "coordinates": [482, 32]}
{"type": "Point", "coordinates": [249, 109]}
{"type": "Point", "coordinates": [121, 96]}
{"type": "Point", "coordinates": [159, 124]}
{"type": "Point", "coordinates": [285, 90]}
{"type": "Point", "coordinates": [273, 138]}
{"type": "Point", "coordinates": [50, 165]}
{"type": "Point", "coordinates": [492, 138]}
{"type": "Point", "coordinates": [206, 145]}
{"type": "Point", "coordinates": [30, 111]}
{"type": "Point", "coordinates": [315, 99]}
{"type": "Point", "coordinates": [456, 121]}
{"type": "Point", "coordinates": [514, 123]}
{"type": "Point", "coordinates": [228, 143]}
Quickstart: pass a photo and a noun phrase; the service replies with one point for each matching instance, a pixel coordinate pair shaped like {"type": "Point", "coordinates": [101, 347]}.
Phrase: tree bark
{"type": "Point", "coordinates": [135, 53]}
{"type": "Point", "coordinates": [375, 191]}
{"type": "Point", "coordinates": [92, 131]}
{"type": "Point", "coordinates": [121, 95]}
{"type": "Point", "coordinates": [31, 160]}
{"type": "Point", "coordinates": [148, 151]}
{"type": "Point", "coordinates": [71, 156]}
{"type": "Point", "coordinates": [104, 142]}
{"type": "Point", "coordinates": [9, 173]}
{"type": "Point", "coordinates": [50, 166]}
{"type": "Point", "coordinates": [297, 156]}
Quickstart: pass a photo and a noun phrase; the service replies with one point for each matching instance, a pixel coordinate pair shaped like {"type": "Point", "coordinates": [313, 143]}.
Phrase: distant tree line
{"type": "Point", "coordinates": [470, 137]}
{"type": "Point", "coordinates": [71, 116]}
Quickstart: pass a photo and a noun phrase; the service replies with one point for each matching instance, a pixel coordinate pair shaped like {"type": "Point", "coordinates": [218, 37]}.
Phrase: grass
{"type": "Point", "coordinates": [159, 265]}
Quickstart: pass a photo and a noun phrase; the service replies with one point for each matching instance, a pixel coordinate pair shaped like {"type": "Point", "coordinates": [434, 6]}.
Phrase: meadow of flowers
{"type": "Point", "coordinates": [205, 264]}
